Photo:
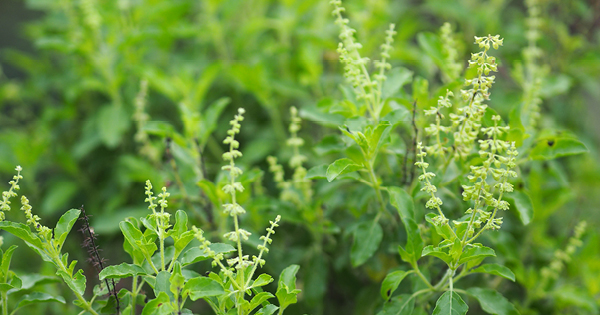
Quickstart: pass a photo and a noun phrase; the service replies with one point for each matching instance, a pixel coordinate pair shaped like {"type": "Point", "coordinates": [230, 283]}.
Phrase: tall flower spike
{"type": "Point", "coordinates": [434, 202]}
{"type": "Point", "coordinates": [299, 177]}
{"type": "Point", "coordinates": [468, 120]}
{"type": "Point", "coordinates": [11, 192]}
{"type": "Point", "coordinates": [355, 65]}
{"type": "Point", "coordinates": [33, 220]}
{"type": "Point", "coordinates": [434, 130]}
{"type": "Point", "coordinates": [233, 208]}
{"type": "Point", "coordinates": [451, 68]}
{"type": "Point", "coordinates": [233, 186]}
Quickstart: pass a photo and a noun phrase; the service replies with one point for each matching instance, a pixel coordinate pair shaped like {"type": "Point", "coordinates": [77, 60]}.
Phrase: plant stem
{"type": "Point", "coordinates": [418, 272]}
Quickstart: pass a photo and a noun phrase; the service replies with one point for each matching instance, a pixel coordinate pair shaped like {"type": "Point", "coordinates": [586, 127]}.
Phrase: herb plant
{"type": "Point", "coordinates": [397, 170]}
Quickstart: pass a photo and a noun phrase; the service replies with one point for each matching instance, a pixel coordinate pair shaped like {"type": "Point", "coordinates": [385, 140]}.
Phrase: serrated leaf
{"type": "Point", "coordinates": [64, 226]}
{"type": "Point", "coordinates": [379, 136]}
{"type": "Point", "coordinates": [76, 283]}
{"type": "Point", "coordinates": [39, 297]}
{"type": "Point", "coordinates": [123, 270]}
{"type": "Point", "coordinates": [158, 306]}
{"type": "Point", "coordinates": [444, 230]}
{"type": "Point", "coordinates": [180, 226]}
{"type": "Point", "coordinates": [493, 302]}
{"type": "Point", "coordinates": [403, 305]}
{"type": "Point", "coordinates": [450, 303]}
{"type": "Point", "coordinates": [195, 254]}
{"type": "Point", "coordinates": [392, 281]}
{"type": "Point", "coordinates": [287, 293]}
{"type": "Point", "coordinates": [262, 280]}
{"type": "Point", "coordinates": [317, 172]}
{"type": "Point", "coordinates": [404, 204]}
{"type": "Point", "coordinates": [367, 237]}
{"type": "Point", "coordinates": [475, 252]}
{"type": "Point", "coordinates": [163, 284]}
{"type": "Point", "coordinates": [430, 250]}
{"type": "Point", "coordinates": [496, 269]}
{"type": "Point", "coordinates": [524, 206]}
{"type": "Point", "coordinates": [555, 147]}
{"type": "Point", "coordinates": [202, 287]}
{"type": "Point", "coordinates": [267, 310]}
{"type": "Point", "coordinates": [23, 232]}
{"type": "Point", "coordinates": [258, 299]}
{"type": "Point", "coordinates": [6, 258]}
{"type": "Point", "coordinates": [340, 167]}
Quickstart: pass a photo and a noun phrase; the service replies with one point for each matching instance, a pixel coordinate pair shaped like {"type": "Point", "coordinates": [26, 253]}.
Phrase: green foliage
{"type": "Point", "coordinates": [400, 178]}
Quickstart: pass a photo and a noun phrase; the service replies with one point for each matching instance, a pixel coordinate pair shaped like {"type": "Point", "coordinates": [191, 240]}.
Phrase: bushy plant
{"type": "Point", "coordinates": [415, 183]}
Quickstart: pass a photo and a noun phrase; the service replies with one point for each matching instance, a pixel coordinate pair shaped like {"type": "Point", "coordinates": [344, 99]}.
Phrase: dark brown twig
{"type": "Point", "coordinates": [89, 242]}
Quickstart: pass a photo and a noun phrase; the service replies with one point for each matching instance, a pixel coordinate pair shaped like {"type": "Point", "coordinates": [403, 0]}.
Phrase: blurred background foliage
{"type": "Point", "coordinates": [71, 73]}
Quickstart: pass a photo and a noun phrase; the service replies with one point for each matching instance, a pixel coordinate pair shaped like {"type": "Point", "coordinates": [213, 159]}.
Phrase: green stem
{"type": "Point", "coordinates": [418, 272]}
{"type": "Point", "coordinates": [84, 303]}
{"type": "Point", "coordinates": [4, 303]}
{"type": "Point", "coordinates": [134, 292]}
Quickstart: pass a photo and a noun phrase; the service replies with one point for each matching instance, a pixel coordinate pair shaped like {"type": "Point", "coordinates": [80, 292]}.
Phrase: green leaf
{"type": "Point", "coordinates": [286, 287]}
{"type": "Point", "coordinates": [258, 299]}
{"type": "Point", "coordinates": [450, 303]}
{"type": "Point", "coordinates": [404, 204]}
{"type": "Point", "coordinates": [112, 122]}
{"type": "Point", "coordinates": [444, 230]}
{"type": "Point", "coordinates": [554, 147]}
{"type": "Point", "coordinates": [516, 133]}
{"type": "Point", "coordinates": [181, 221]}
{"type": "Point", "coordinates": [262, 280]}
{"type": "Point", "coordinates": [30, 280]}
{"type": "Point", "coordinates": [398, 116]}
{"type": "Point", "coordinates": [76, 282]}
{"type": "Point", "coordinates": [313, 113]}
{"type": "Point", "coordinates": [64, 226]}
{"type": "Point", "coordinates": [392, 281]}
{"type": "Point", "coordinates": [195, 254]}
{"type": "Point", "coordinates": [396, 79]}
{"type": "Point", "coordinates": [475, 252]}
{"type": "Point", "coordinates": [340, 167]}
{"type": "Point", "coordinates": [378, 137]}
{"type": "Point", "coordinates": [6, 258]}
{"type": "Point", "coordinates": [123, 270]}
{"type": "Point", "coordinates": [367, 237]}
{"type": "Point", "coordinates": [177, 280]}
{"type": "Point", "coordinates": [158, 306]}
{"type": "Point", "coordinates": [403, 305]}
{"type": "Point", "coordinates": [317, 172]}
{"type": "Point", "coordinates": [496, 269]}
{"type": "Point", "coordinates": [202, 287]}
{"type": "Point", "coordinates": [493, 302]}
{"type": "Point", "coordinates": [23, 232]}
{"type": "Point", "coordinates": [131, 233]}
{"type": "Point", "coordinates": [437, 252]}
{"type": "Point", "coordinates": [524, 206]}
{"type": "Point", "coordinates": [267, 310]}
{"type": "Point", "coordinates": [163, 284]}
{"type": "Point", "coordinates": [39, 297]}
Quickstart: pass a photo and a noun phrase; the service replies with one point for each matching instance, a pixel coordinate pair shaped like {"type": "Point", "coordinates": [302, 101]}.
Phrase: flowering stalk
{"type": "Point", "coordinates": [468, 120]}
{"type": "Point", "coordinates": [355, 66]}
